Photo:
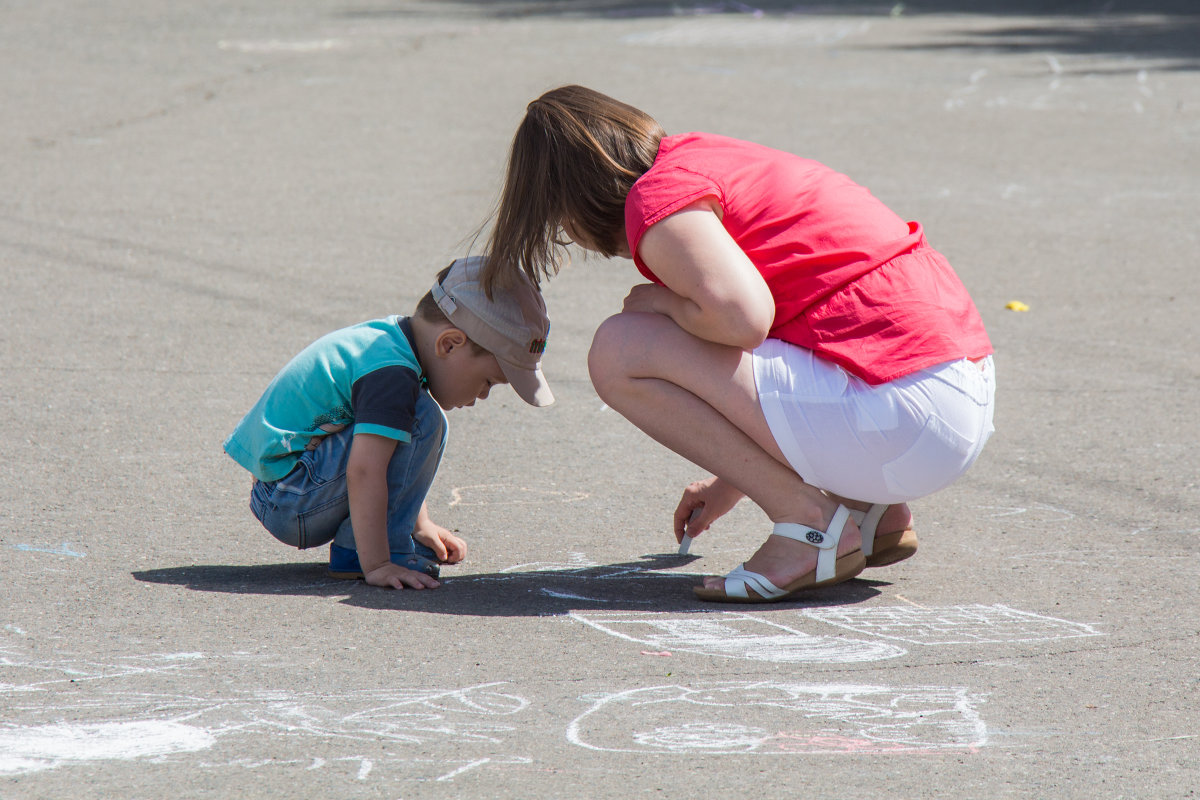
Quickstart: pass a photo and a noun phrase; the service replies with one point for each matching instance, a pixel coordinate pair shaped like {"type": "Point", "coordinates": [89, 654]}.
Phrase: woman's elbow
{"type": "Point", "coordinates": [749, 341]}
{"type": "Point", "coordinates": [754, 327]}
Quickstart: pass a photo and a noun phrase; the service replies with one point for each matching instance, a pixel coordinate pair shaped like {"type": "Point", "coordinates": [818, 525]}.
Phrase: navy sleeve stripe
{"type": "Point", "coordinates": [387, 397]}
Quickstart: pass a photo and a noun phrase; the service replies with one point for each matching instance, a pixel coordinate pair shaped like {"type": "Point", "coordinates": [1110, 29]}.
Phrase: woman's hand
{"type": "Point", "coordinates": [710, 499]}
{"type": "Point", "coordinates": [651, 298]}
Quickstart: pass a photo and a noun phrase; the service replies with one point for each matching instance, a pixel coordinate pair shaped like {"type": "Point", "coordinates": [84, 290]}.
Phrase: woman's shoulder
{"type": "Point", "coordinates": [698, 142]}
{"type": "Point", "coordinates": [702, 140]}
{"type": "Point", "coordinates": [720, 157]}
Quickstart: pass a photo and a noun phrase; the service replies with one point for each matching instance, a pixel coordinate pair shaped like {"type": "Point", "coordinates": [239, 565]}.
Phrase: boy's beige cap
{"type": "Point", "coordinates": [513, 325]}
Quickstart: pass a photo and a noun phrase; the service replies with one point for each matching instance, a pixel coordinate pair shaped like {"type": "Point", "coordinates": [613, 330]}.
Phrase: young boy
{"type": "Point", "coordinates": [345, 441]}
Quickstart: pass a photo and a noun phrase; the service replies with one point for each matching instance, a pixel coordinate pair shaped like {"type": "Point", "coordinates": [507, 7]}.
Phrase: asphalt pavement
{"type": "Point", "coordinates": [194, 191]}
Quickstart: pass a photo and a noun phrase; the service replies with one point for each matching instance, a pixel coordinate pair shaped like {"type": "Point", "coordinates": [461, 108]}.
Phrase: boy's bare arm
{"type": "Point", "coordinates": [366, 481]}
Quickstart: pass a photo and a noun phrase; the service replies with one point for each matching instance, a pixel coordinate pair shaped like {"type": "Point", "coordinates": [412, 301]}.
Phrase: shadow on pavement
{"type": "Point", "coordinates": [683, 8]}
{"type": "Point", "coordinates": [1175, 40]}
{"type": "Point", "coordinates": [1159, 29]}
{"type": "Point", "coordinates": [630, 586]}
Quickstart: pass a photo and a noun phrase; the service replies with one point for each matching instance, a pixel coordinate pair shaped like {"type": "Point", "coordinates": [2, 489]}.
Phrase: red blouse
{"type": "Point", "coordinates": [851, 280]}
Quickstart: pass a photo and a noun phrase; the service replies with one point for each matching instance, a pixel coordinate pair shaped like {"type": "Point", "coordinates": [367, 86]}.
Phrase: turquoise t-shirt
{"type": "Point", "coordinates": [366, 375]}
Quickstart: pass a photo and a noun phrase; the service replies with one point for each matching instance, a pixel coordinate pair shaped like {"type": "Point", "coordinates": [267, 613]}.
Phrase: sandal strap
{"type": "Point", "coordinates": [825, 541]}
{"type": "Point", "coordinates": [738, 580]}
{"type": "Point", "coordinates": [809, 535]}
{"type": "Point", "coordinates": [868, 523]}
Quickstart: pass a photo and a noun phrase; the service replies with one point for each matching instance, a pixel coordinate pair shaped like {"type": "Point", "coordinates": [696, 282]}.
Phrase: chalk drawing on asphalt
{"type": "Point", "coordinates": [1111, 558]}
{"type": "Point", "coordinates": [575, 563]}
{"type": "Point", "coordinates": [34, 748]}
{"type": "Point", "coordinates": [68, 712]}
{"type": "Point", "coordinates": [63, 549]}
{"type": "Point", "coordinates": [1034, 515]}
{"type": "Point", "coordinates": [22, 673]}
{"type": "Point", "coordinates": [952, 625]}
{"type": "Point", "coordinates": [578, 566]}
{"type": "Point", "coordinates": [499, 494]}
{"type": "Point", "coordinates": [729, 634]}
{"type": "Point", "coordinates": [781, 718]}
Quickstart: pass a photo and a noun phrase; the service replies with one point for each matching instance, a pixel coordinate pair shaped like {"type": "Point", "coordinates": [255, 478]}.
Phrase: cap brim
{"type": "Point", "coordinates": [529, 384]}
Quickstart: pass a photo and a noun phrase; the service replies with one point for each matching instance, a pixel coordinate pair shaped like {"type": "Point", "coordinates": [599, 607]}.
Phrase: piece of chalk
{"type": "Point", "coordinates": [686, 542]}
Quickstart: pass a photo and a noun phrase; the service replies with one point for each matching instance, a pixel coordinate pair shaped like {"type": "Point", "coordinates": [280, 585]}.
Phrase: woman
{"type": "Point", "coordinates": [797, 339]}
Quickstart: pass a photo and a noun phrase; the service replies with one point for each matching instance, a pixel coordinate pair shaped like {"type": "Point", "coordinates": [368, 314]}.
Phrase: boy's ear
{"type": "Point", "coordinates": [448, 341]}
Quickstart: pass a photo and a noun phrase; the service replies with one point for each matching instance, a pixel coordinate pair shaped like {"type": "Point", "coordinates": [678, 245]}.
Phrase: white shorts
{"type": "Point", "coordinates": [880, 444]}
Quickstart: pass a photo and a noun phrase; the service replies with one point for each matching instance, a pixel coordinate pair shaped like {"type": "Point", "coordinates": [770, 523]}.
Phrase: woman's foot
{"type": "Point", "coordinates": [898, 517]}
{"type": "Point", "coordinates": [887, 534]}
{"type": "Point", "coordinates": [894, 538]}
{"type": "Point", "coordinates": [791, 564]}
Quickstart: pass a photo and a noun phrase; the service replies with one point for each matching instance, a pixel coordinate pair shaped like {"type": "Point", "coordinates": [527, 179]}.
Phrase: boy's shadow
{"type": "Point", "coordinates": [631, 586]}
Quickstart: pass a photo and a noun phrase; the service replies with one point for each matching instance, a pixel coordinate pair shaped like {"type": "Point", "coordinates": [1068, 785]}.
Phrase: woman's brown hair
{"type": "Point", "coordinates": [574, 158]}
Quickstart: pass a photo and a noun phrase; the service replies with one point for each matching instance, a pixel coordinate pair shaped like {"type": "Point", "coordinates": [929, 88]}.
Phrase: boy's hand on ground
{"type": "Point", "coordinates": [394, 576]}
{"type": "Point", "coordinates": [446, 546]}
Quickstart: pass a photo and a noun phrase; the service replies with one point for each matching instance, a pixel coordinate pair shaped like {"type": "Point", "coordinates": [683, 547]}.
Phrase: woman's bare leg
{"type": "Point", "coordinates": [699, 399]}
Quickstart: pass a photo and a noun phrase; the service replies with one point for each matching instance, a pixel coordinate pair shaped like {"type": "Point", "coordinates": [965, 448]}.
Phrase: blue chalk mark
{"type": "Point", "coordinates": [63, 549]}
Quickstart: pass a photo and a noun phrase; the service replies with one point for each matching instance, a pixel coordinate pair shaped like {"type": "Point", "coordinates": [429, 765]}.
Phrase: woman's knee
{"type": "Point", "coordinates": [607, 360]}
{"type": "Point", "coordinates": [624, 347]}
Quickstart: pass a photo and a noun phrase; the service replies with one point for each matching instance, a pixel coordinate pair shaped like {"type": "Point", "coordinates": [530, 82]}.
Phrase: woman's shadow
{"type": "Point", "coordinates": [642, 585]}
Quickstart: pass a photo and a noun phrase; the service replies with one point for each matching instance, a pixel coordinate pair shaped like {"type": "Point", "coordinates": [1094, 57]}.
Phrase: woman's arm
{"type": "Point", "coordinates": [712, 290]}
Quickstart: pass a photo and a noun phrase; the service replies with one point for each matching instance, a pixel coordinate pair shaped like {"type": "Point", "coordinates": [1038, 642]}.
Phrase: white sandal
{"type": "Point", "coordinates": [887, 548]}
{"type": "Point", "coordinates": [831, 568]}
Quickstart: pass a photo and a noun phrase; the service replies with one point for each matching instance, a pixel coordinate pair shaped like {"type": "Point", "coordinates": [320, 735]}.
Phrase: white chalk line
{"type": "Point", "coordinates": [953, 625]}
{"type": "Point", "coordinates": [727, 634]}
{"type": "Point", "coordinates": [449, 776]}
{"type": "Point", "coordinates": [1054, 514]}
{"type": "Point", "coordinates": [584, 598]}
{"type": "Point", "coordinates": [499, 494]}
{"type": "Point", "coordinates": [63, 549]}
